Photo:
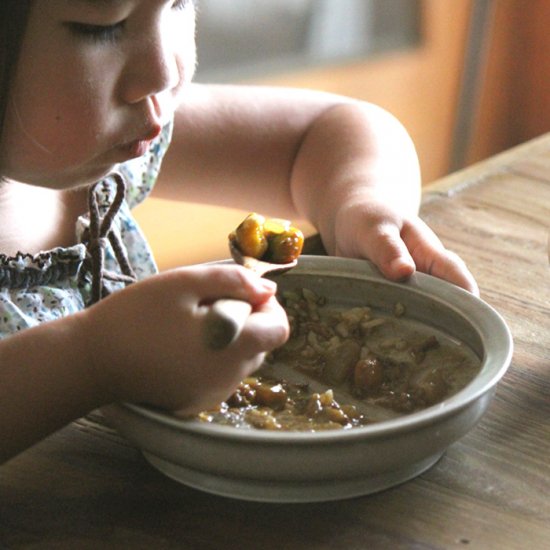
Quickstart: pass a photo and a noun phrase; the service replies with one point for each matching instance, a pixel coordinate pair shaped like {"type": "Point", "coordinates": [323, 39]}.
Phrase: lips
{"type": "Point", "coordinates": [140, 146]}
{"type": "Point", "coordinates": [153, 133]}
{"type": "Point", "coordinates": [137, 148]}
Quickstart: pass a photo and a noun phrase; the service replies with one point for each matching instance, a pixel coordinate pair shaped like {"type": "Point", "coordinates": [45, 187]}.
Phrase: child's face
{"type": "Point", "coordinates": [96, 80]}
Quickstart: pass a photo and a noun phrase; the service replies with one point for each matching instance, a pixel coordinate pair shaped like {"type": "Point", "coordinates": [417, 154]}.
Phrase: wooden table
{"type": "Point", "coordinates": [85, 487]}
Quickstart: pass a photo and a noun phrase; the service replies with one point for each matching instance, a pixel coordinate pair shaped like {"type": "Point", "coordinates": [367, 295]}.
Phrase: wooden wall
{"type": "Point", "coordinates": [420, 86]}
{"type": "Point", "coordinates": [515, 99]}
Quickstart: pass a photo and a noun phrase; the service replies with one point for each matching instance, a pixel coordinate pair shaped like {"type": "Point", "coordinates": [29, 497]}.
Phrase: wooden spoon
{"type": "Point", "coordinates": [258, 266]}
{"type": "Point", "coordinates": [226, 317]}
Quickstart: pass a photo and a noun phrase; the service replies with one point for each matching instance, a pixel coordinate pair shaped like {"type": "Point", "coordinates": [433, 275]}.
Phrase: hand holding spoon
{"type": "Point", "coordinates": [226, 317]}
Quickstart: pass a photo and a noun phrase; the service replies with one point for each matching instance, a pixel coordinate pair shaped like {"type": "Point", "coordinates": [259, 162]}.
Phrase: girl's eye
{"type": "Point", "coordinates": [181, 4]}
{"type": "Point", "coordinates": [111, 33]}
{"type": "Point", "coordinates": [97, 33]}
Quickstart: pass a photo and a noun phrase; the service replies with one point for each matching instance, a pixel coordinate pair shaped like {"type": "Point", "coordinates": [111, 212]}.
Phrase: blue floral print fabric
{"type": "Point", "coordinates": [54, 283]}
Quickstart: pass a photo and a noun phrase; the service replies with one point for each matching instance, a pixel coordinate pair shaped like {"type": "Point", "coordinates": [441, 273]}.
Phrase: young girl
{"type": "Point", "coordinates": [99, 91]}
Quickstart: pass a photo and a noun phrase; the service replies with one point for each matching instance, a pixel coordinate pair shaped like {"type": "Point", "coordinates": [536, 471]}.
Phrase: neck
{"type": "Point", "coordinates": [31, 218]}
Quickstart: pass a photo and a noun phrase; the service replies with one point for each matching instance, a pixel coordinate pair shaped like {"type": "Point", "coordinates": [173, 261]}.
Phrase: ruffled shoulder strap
{"type": "Point", "coordinates": [44, 269]}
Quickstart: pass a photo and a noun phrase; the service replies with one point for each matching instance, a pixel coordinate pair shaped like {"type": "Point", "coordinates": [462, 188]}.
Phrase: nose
{"type": "Point", "coordinates": [152, 68]}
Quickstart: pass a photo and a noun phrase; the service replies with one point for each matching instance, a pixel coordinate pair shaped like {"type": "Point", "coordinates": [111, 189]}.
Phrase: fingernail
{"type": "Point", "coordinates": [401, 268]}
{"type": "Point", "coordinates": [267, 285]}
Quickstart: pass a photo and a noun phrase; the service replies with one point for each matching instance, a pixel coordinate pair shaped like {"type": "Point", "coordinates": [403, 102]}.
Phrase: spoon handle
{"type": "Point", "coordinates": [224, 321]}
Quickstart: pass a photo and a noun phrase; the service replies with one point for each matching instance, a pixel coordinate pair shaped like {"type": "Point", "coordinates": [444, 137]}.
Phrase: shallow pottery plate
{"type": "Point", "coordinates": [305, 467]}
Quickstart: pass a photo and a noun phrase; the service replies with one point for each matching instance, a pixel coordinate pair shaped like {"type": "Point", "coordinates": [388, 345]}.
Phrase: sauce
{"type": "Point", "coordinates": [343, 368]}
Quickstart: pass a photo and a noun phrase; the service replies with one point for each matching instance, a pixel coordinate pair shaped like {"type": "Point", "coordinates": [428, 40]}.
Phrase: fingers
{"type": "Point", "coordinates": [228, 321]}
{"type": "Point", "coordinates": [231, 281]}
{"type": "Point", "coordinates": [225, 320]}
{"type": "Point", "coordinates": [398, 250]}
{"type": "Point", "coordinates": [430, 256]}
{"type": "Point", "coordinates": [259, 329]}
{"type": "Point", "coordinates": [449, 266]}
{"type": "Point", "coordinates": [267, 327]}
{"type": "Point", "coordinates": [390, 254]}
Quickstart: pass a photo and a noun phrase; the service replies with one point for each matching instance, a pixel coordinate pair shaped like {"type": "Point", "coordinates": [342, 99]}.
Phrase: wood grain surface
{"type": "Point", "coordinates": [86, 487]}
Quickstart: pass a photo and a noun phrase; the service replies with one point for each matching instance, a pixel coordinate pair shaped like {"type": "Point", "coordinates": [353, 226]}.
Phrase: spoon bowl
{"type": "Point", "coordinates": [258, 266]}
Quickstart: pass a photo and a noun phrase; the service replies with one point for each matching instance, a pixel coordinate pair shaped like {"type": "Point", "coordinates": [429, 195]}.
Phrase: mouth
{"type": "Point", "coordinates": [140, 146]}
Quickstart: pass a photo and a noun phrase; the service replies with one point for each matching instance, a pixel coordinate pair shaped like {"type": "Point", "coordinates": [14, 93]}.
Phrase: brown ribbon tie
{"type": "Point", "coordinates": [100, 232]}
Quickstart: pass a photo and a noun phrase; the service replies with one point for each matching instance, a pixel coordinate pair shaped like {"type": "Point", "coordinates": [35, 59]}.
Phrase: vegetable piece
{"type": "Point", "coordinates": [272, 240]}
{"type": "Point", "coordinates": [250, 236]}
{"type": "Point", "coordinates": [285, 247]}
{"type": "Point", "coordinates": [340, 361]}
{"type": "Point", "coordinates": [368, 375]}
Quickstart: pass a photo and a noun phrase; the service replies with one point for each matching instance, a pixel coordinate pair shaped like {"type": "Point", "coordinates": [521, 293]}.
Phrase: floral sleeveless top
{"type": "Point", "coordinates": [55, 283]}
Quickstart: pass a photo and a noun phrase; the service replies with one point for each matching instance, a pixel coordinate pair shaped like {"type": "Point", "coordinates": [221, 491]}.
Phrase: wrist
{"type": "Point", "coordinates": [90, 343]}
{"type": "Point", "coordinates": [370, 159]}
{"type": "Point", "coordinates": [46, 383]}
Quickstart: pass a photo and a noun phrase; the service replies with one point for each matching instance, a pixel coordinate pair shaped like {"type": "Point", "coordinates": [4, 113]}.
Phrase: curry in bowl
{"type": "Point", "coordinates": [346, 367]}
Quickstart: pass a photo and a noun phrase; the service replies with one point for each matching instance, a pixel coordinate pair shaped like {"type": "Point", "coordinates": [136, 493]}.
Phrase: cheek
{"type": "Point", "coordinates": [47, 102]}
{"type": "Point", "coordinates": [43, 141]}
{"type": "Point", "coordinates": [56, 118]}
{"type": "Point", "coordinates": [65, 115]}
{"type": "Point", "coordinates": [188, 66]}
{"type": "Point", "coordinates": [62, 127]}
{"type": "Point", "coordinates": [184, 46]}
{"type": "Point", "coordinates": [188, 54]}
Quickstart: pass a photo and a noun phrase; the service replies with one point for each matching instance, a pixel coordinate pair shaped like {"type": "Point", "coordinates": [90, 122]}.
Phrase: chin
{"type": "Point", "coordinates": [74, 180]}
{"type": "Point", "coordinates": [59, 177]}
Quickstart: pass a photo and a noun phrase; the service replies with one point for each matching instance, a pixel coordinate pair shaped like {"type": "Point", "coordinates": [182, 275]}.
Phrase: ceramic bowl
{"type": "Point", "coordinates": [305, 467]}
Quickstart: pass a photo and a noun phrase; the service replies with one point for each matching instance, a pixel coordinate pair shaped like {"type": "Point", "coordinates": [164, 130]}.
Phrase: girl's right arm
{"type": "Point", "coordinates": [45, 383]}
{"type": "Point", "coordinates": [142, 344]}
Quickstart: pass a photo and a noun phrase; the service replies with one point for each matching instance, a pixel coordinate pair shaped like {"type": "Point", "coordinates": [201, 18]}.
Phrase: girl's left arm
{"type": "Point", "coordinates": [348, 167]}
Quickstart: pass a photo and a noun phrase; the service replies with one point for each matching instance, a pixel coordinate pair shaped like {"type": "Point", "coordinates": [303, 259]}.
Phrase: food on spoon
{"type": "Point", "coordinates": [250, 236]}
{"type": "Point", "coordinates": [271, 240]}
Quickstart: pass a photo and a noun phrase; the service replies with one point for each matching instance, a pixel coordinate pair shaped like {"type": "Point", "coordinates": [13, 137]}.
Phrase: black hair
{"type": "Point", "coordinates": [14, 15]}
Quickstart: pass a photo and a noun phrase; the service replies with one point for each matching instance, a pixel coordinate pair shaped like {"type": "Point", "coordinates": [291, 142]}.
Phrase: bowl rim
{"type": "Point", "coordinates": [478, 312]}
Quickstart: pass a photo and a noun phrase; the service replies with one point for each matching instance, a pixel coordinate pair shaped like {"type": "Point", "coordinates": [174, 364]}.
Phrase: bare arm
{"type": "Point", "coordinates": [141, 344]}
{"type": "Point", "coordinates": [348, 167]}
{"type": "Point", "coordinates": [238, 142]}
{"type": "Point", "coordinates": [44, 383]}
